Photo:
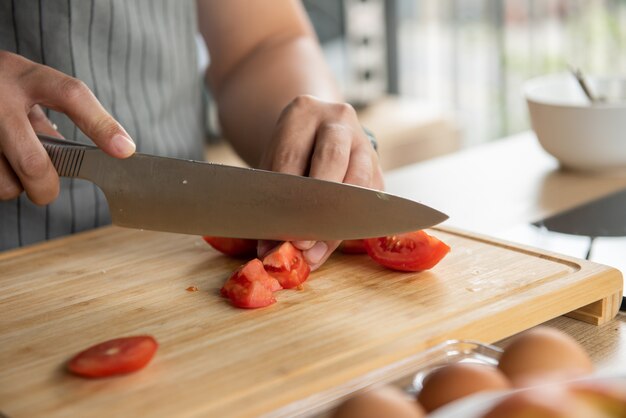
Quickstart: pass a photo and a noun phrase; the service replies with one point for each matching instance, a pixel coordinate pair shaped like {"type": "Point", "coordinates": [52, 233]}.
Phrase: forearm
{"type": "Point", "coordinates": [264, 55]}
{"type": "Point", "coordinates": [251, 98]}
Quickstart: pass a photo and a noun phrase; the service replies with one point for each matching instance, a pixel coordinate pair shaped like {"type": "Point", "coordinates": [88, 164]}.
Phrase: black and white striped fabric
{"type": "Point", "coordinates": [139, 58]}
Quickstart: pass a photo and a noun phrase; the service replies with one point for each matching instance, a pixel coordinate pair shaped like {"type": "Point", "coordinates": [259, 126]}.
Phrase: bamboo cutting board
{"type": "Point", "coordinates": [354, 323]}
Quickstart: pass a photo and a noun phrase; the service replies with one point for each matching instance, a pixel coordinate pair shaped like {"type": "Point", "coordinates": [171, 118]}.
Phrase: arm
{"type": "Point", "coordinates": [277, 101]}
{"type": "Point", "coordinates": [263, 55]}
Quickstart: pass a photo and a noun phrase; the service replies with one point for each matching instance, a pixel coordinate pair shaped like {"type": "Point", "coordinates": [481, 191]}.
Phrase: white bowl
{"type": "Point", "coordinates": [581, 135]}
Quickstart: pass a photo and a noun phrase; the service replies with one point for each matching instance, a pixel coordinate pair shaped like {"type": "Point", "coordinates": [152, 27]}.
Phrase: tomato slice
{"type": "Point", "coordinates": [413, 251]}
{"type": "Point", "coordinates": [353, 246]}
{"type": "Point", "coordinates": [287, 264]}
{"type": "Point", "coordinates": [113, 357]}
{"type": "Point", "coordinates": [250, 286]}
{"type": "Point", "coordinates": [234, 247]}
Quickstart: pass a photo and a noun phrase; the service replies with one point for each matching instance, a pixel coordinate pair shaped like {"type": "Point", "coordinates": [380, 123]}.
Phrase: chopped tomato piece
{"type": "Point", "coordinates": [353, 246]}
{"type": "Point", "coordinates": [413, 251]}
{"type": "Point", "coordinates": [287, 264]}
{"type": "Point", "coordinates": [234, 247]}
{"type": "Point", "coordinates": [113, 357]}
{"type": "Point", "coordinates": [250, 286]}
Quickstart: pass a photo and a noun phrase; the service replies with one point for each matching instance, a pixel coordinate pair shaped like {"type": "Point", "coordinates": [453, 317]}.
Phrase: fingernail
{"type": "Point", "coordinates": [303, 245]}
{"type": "Point", "coordinates": [315, 254]}
{"type": "Point", "coordinates": [123, 145]}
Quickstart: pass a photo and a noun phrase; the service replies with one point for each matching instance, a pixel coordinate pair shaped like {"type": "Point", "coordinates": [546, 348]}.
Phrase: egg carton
{"type": "Point", "coordinates": [475, 406]}
{"type": "Point", "coordinates": [469, 351]}
{"type": "Point", "coordinates": [453, 351]}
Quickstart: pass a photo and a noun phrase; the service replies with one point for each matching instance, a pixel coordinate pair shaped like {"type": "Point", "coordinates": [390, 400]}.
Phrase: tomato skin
{"type": "Point", "coordinates": [233, 247]}
{"type": "Point", "coordinates": [250, 286]}
{"type": "Point", "coordinates": [353, 246]}
{"type": "Point", "coordinates": [114, 357]}
{"type": "Point", "coordinates": [286, 263]}
{"type": "Point", "coordinates": [413, 251]}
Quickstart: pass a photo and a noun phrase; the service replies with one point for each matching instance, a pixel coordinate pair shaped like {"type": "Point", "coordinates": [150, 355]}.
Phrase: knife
{"type": "Point", "coordinates": [199, 198]}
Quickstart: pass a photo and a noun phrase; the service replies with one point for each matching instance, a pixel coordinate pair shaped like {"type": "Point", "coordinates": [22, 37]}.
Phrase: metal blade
{"type": "Point", "coordinates": [191, 197]}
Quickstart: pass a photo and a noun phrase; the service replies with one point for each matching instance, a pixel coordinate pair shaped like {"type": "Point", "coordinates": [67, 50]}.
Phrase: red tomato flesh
{"type": "Point", "coordinates": [413, 251]}
{"type": "Point", "coordinates": [234, 247]}
{"type": "Point", "coordinates": [250, 286]}
{"type": "Point", "coordinates": [113, 357]}
{"type": "Point", "coordinates": [287, 265]}
{"type": "Point", "coordinates": [353, 246]}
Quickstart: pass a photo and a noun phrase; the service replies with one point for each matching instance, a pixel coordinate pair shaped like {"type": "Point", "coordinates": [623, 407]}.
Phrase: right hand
{"type": "Point", "coordinates": [24, 163]}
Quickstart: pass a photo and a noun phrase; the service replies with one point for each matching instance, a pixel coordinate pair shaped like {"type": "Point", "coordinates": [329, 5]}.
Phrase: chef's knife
{"type": "Point", "coordinates": [192, 197]}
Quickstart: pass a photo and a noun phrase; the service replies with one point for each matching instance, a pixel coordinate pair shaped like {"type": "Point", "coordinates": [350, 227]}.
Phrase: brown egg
{"type": "Point", "coordinates": [455, 381]}
{"type": "Point", "coordinates": [606, 396]}
{"type": "Point", "coordinates": [543, 354]}
{"type": "Point", "coordinates": [544, 402]}
{"type": "Point", "coordinates": [383, 402]}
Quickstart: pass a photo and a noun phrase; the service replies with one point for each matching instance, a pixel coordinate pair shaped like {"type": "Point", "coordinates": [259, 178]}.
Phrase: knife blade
{"type": "Point", "coordinates": [200, 198]}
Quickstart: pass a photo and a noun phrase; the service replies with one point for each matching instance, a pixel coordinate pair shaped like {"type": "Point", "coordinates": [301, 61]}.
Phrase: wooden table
{"type": "Point", "coordinates": [506, 183]}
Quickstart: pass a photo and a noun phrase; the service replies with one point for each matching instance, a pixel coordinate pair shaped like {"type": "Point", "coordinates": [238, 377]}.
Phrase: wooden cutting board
{"type": "Point", "coordinates": [354, 323]}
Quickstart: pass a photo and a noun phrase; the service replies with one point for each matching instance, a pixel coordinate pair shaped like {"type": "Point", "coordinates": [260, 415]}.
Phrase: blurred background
{"type": "Point", "coordinates": [433, 76]}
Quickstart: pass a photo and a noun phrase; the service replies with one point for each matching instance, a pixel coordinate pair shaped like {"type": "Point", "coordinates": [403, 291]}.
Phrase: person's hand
{"type": "Point", "coordinates": [323, 140]}
{"type": "Point", "coordinates": [24, 163]}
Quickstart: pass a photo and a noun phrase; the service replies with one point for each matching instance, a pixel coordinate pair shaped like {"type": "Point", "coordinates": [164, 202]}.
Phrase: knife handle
{"type": "Point", "coordinates": [67, 156]}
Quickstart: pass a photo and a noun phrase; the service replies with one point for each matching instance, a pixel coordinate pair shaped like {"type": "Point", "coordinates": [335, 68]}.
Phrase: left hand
{"type": "Point", "coordinates": [323, 140]}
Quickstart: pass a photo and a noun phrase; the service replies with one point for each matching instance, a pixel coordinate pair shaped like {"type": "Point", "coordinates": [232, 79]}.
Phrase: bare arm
{"type": "Point", "coordinates": [277, 100]}
{"type": "Point", "coordinates": [263, 55]}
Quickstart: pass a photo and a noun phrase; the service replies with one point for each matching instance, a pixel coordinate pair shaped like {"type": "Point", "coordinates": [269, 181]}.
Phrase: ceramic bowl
{"type": "Point", "coordinates": [579, 134]}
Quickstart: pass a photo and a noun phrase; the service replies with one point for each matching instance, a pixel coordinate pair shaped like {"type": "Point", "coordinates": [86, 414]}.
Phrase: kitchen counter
{"type": "Point", "coordinates": [506, 183]}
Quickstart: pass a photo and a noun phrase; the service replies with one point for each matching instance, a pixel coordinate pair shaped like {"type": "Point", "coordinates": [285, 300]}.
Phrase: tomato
{"type": "Point", "coordinates": [413, 251]}
{"type": "Point", "coordinates": [234, 247]}
{"type": "Point", "coordinates": [287, 264]}
{"type": "Point", "coordinates": [353, 246]}
{"type": "Point", "coordinates": [113, 357]}
{"type": "Point", "coordinates": [250, 286]}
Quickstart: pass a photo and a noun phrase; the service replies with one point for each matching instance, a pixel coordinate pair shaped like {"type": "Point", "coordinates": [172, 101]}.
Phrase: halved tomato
{"type": "Point", "coordinates": [234, 247]}
{"type": "Point", "coordinates": [353, 246]}
{"type": "Point", "coordinates": [113, 357]}
{"type": "Point", "coordinates": [250, 286]}
{"type": "Point", "coordinates": [287, 264]}
{"type": "Point", "coordinates": [413, 251]}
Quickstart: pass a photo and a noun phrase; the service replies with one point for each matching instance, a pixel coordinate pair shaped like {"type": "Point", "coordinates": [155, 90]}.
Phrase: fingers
{"type": "Point", "coordinates": [60, 92]}
{"type": "Point", "coordinates": [360, 169]}
{"type": "Point", "coordinates": [319, 253]}
{"type": "Point", "coordinates": [329, 161]}
{"type": "Point", "coordinates": [325, 141]}
{"type": "Point", "coordinates": [28, 159]}
{"type": "Point", "coordinates": [303, 245]}
{"type": "Point", "coordinates": [332, 152]}
{"type": "Point", "coordinates": [10, 186]}
{"type": "Point", "coordinates": [293, 139]}
{"type": "Point", "coordinates": [24, 164]}
{"type": "Point", "coordinates": [41, 124]}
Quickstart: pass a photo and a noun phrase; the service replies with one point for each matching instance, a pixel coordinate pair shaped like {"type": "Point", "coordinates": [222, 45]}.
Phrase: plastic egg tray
{"type": "Point", "coordinates": [454, 351]}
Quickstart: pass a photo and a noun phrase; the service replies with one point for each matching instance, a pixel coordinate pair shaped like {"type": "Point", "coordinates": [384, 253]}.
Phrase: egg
{"type": "Point", "coordinates": [383, 402]}
{"type": "Point", "coordinates": [544, 402]}
{"type": "Point", "coordinates": [606, 396]}
{"type": "Point", "coordinates": [543, 354]}
{"type": "Point", "coordinates": [455, 381]}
